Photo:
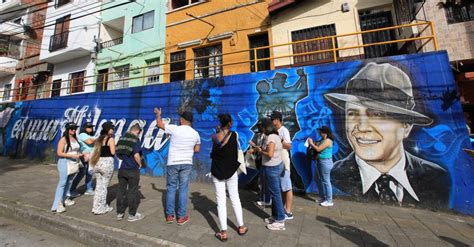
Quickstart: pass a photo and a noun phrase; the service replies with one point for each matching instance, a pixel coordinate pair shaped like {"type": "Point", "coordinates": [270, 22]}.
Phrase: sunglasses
{"type": "Point", "coordinates": [73, 129]}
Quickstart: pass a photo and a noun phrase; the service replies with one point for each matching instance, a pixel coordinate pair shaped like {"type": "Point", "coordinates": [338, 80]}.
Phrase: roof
{"type": "Point", "coordinates": [277, 5]}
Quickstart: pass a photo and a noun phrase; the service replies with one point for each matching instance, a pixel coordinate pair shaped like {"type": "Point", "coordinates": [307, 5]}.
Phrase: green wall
{"type": "Point", "coordinates": [137, 47]}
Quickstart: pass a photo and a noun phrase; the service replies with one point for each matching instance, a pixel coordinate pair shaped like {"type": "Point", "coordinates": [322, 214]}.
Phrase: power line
{"type": "Point", "coordinates": [18, 10]}
{"type": "Point", "coordinates": [52, 18]}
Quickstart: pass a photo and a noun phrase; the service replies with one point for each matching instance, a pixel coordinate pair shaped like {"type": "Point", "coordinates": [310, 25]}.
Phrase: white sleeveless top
{"type": "Point", "coordinates": [75, 147]}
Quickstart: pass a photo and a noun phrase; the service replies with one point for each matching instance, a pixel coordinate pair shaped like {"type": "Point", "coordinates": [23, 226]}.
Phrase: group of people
{"type": "Point", "coordinates": [270, 149]}
{"type": "Point", "coordinates": [95, 157]}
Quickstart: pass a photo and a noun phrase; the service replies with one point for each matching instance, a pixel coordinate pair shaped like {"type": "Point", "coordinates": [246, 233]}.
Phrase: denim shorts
{"type": "Point", "coordinates": [286, 182]}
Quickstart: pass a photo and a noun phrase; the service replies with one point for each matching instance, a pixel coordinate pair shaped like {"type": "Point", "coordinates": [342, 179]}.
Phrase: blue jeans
{"type": "Point", "coordinates": [82, 171]}
{"type": "Point", "coordinates": [177, 175]}
{"type": "Point", "coordinates": [273, 174]}
{"type": "Point", "coordinates": [63, 184]}
{"type": "Point", "coordinates": [324, 168]}
{"type": "Point", "coordinates": [264, 193]}
{"type": "Point", "coordinates": [318, 178]}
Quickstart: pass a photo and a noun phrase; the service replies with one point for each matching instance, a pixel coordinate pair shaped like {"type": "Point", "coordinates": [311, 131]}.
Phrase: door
{"type": "Point", "coordinates": [369, 21]}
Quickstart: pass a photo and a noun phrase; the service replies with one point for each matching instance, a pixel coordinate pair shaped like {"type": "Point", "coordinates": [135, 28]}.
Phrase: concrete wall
{"type": "Point", "coordinates": [457, 38]}
{"type": "Point", "coordinates": [309, 14]}
{"type": "Point", "coordinates": [405, 121]}
{"type": "Point", "coordinates": [137, 47]}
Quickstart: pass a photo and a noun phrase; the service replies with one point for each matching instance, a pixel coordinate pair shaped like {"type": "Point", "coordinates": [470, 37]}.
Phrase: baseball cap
{"type": "Point", "coordinates": [187, 115]}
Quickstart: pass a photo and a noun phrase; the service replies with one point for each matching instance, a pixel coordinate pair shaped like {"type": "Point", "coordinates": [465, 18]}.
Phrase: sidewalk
{"type": "Point", "coordinates": [27, 188]}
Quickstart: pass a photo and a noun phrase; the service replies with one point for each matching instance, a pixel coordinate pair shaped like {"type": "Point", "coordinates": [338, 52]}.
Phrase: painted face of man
{"type": "Point", "coordinates": [374, 137]}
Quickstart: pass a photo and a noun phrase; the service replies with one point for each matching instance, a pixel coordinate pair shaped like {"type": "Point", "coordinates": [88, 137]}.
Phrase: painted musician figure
{"type": "Point", "coordinates": [379, 114]}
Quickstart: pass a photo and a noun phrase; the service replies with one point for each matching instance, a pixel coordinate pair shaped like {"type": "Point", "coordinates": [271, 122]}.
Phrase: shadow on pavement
{"type": "Point", "coordinates": [351, 233]}
{"type": "Point", "coordinates": [163, 197]}
{"type": "Point", "coordinates": [205, 206]}
{"type": "Point", "coordinates": [452, 241]}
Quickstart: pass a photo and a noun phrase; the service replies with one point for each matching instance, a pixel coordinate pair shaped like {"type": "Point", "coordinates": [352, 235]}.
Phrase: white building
{"type": "Point", "coordinates": [72, 26]}
{"type": "Point", "coordinates": [11, 19]}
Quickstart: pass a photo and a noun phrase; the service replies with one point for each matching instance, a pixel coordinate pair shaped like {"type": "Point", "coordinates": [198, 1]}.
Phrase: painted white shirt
{"type": "Point", "coordinates": [284, 134]}
{"type": "Point", "coordinates": [369, 174]}
{"type": "Point", "coordinates": [182, 141]}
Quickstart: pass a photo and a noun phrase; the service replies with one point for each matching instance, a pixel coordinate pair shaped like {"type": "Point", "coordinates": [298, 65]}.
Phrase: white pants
{"type": "Point", "coordinates": [232, 187]}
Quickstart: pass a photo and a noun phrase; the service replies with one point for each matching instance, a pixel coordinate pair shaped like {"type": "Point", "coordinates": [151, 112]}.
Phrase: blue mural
{"type": "Point", "coordinates": [400, 111]}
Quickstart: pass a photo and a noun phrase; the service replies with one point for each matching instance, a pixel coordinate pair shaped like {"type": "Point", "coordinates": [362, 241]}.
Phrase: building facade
{"type": "Point", "coordinates": [294, 21]}
{"type": "Point", "coordinates": [200, 33]}
{"type": "Point", "coordinates": [131, 44]}
{"type": "Point", "coordinates": [12, 14]}
{"type": "Point", "coordinates": [71, 29]}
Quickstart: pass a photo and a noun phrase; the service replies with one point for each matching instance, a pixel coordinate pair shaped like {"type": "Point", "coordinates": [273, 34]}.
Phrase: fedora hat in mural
{"type": "Point", "coordinates": [382, 87]}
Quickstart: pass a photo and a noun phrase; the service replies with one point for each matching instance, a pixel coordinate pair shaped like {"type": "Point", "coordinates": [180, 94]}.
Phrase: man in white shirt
{"type": "Point", "coordinates": [286, 185]}
{"type": "Point", "coordinates": [184, 142]}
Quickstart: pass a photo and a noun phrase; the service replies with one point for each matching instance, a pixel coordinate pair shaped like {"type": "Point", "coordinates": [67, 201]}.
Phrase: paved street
{"type": "Point", "coordinates": [14, 233]}
{"type": "Point", "coordinates": [30, 185]}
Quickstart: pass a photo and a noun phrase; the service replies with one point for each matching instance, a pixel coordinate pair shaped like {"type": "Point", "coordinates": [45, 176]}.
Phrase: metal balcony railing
{"type": "Point", "coordinates": [426, 34]}
{"type": "Point", "coordinates": [58, 41]}
{"type": "Point", "coordinates": [111, 43]}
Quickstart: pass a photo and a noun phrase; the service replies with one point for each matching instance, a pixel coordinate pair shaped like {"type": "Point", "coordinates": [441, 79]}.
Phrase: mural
{"type": "Point", "coordinates": [395, 122]}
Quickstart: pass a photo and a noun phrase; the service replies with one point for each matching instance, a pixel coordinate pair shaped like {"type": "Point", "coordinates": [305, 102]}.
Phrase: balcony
{"type": "Point", "coordinates": [111, 43]}
{"type": "Point", "coordinates": [58, 41]}
{"type": "Point", "coordinates": [111, 32]}
{"type": "Point", "coordinates": [9, 55]}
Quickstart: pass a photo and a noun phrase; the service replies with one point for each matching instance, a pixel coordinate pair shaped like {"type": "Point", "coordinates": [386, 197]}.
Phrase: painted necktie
{"type": "Point", "coordinates": [385, 193]}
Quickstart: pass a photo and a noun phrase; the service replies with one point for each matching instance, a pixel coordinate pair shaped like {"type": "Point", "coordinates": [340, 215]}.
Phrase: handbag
{"type": "Point", "coordinates": [73, 166]}
{"type": "Point", "coordinates": [241, 157]}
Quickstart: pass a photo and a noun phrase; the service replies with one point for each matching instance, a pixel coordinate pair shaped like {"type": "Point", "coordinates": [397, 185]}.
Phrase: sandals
{"type": "Point", "coordinates": [222, 236]}
{"type": "Point", "coordinates": [242, 230]}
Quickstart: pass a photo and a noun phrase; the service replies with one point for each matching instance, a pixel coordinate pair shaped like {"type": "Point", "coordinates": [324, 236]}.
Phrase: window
{"type": "Point", "coordinates": [39, 91]}
{"type": "Point", "coordinates": [462, 12]}
{"type": "Point", "coordinates": [121, 76]}
{"type": "Point", "coordinates": [56, 89]}
{"type": "Point", "coordinates": [143, 22]}
{"type": "Point", "coordinates": [153, 71]}
{"type": "Point", "coordinates": [208, 66]}
{"type": "Point", "coordinates": [310, 46]}
{"type": "Point", "coordinates": [7, 92]}
{"type": "Point", "coordinates": [60, 3]}
{"type": "Point", "coordinates": [61, 33]}
{"type": "Point", "coordinates": [102, 79]}
{"type": "Point", "coordinates": [182, 3]}
{"type": "Point", "coordinates": [259, 41]}
{"type": "Point", "coordinates": [76, 82]}
{"type": "Point", "coordinates": [177, 66]}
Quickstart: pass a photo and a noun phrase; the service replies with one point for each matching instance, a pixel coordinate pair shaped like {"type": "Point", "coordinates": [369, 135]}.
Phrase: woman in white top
{"type": "Point", "coordinates": [68, 149]}
{"type": "Point", "coordinates": [272, 167]}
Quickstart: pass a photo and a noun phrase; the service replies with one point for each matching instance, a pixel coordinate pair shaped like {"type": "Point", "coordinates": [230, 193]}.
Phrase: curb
{"type": "Point", "coordinates": [83, 231]}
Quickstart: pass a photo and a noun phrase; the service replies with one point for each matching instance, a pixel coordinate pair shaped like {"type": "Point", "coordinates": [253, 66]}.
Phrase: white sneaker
{"type": "Point", "coordinates": [61, 208]}
{"type": "Point", "coordinates": [89, 193]}
{"type": "Point", "coordinates": [269, 220]}
{"type": "Point", "coordinates": [120, 216]}
{"type": "Point", "coordinates": [136, 217]}
{"type": "Point", "coordinates": [326, 204]}
{"type": "Point", "coordinates": [276, 226]}
{"type": "Point", "coordinates": [109, 209]}
{"type": "Point", "coordinates": [264, 204]}
{"type": "Point", "coordinates": [68, 202]}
